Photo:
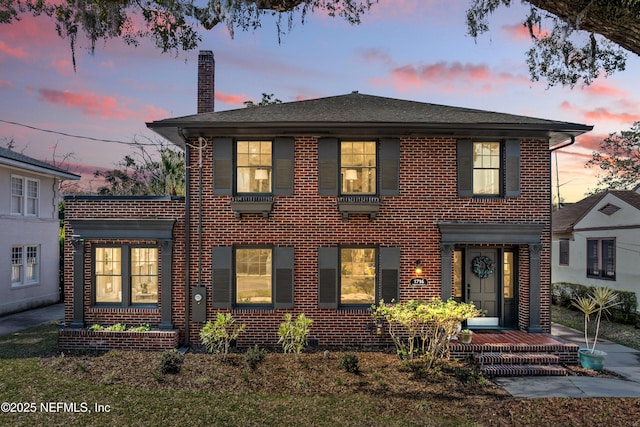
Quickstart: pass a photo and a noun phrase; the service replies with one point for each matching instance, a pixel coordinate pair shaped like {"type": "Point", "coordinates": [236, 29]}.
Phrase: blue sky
{"type": "Point", "coordinates": [410, 49]}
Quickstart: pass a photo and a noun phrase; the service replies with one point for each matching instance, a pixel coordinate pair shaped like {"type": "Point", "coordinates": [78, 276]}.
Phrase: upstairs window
{"type": "Point", "coordinates": [358, 161]}
{"type": "Point", "coordinates": [254, 162]}
{"type": "Point", "coordinates": [486, 168]}
{"type": "Point", "coordinates": [25, 195]}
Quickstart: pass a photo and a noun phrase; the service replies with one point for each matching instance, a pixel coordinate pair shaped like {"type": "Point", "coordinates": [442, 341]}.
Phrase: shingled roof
{"type": "Point", "coordinates": [563, 220]}
{"type": "Point", "coordinates": [12, 158]}
{"type": "Point", "coordinates": [357, 113]}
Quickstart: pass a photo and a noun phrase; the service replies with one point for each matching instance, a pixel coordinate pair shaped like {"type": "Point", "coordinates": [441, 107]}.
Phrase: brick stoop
{"type": "Point", "coordinates": [519, 364]}
{"type": "Point", "coordinates": [517, 353]}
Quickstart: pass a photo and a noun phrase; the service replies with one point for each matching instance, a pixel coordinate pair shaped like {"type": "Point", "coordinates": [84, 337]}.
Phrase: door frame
{"type": "Point", "coordinates": [507, 307]}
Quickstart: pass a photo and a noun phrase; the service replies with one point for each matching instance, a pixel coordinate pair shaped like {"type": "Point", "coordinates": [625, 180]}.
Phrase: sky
{"type": "Point", "coordinates": [410, 49]}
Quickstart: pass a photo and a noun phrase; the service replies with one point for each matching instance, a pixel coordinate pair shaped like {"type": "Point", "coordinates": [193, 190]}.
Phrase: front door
{"type": "Point", "coordinates": [483, 284]}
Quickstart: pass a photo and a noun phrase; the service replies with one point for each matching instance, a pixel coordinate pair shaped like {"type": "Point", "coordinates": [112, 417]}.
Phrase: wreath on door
{"type": "Point", "coordinates": [482, 266]}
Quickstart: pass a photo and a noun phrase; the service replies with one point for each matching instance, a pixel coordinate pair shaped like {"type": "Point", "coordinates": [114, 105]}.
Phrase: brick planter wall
{"type": "Point", "coordinates": [82, 339]}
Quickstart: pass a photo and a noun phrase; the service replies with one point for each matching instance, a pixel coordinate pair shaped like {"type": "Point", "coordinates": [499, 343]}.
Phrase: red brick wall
{"type": "Point", "coordinates": [428, 195]}
{"type": "Point", "coordinates": [103, 208]}
{"type": "Point", "coordinates": [306, 221]}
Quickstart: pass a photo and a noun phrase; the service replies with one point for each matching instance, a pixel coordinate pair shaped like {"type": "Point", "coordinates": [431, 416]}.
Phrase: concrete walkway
{"type": "Point", "coordinates": [622, 360]}
{"type": "Point", "coordinates": [27, 319]}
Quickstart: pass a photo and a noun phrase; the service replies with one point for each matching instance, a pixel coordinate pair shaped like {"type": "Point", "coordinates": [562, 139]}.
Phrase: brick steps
{"type": "Point", "coordinates": [494, 364]}
{"type": "Point", "coordinates": [523, 370]}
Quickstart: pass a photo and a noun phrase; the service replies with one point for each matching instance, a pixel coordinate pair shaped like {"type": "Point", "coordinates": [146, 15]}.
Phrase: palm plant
{"type": "Point", "coordinates": [599, 301]}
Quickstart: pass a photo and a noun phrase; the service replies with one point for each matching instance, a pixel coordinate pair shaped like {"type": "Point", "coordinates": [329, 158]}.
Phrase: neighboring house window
{"type": "Point", "coordinates": [488, 168]}
{"type": "Point", "coordinates": [254, 276]}
{"type": "Point", "coordinates": [357, 276]}
{"type": "Point", "coordinates": [563, 252]}
{"type": "Point", "coordinates": [358, 161]}
{"type": "Point", "coordinates": [601, 258]}
{"type": "Point", "coordinates": [126, 275]}
{"type": "Point", "coordinates": [25, 195]}
{"type": "Point", "coordinates": [25, 265]}
{"type": "Point", "coordinates": [254, 161]}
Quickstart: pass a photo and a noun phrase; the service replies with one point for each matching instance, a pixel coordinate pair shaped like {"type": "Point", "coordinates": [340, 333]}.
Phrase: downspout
{"type": "Point", "coordinates": [551, 150]}
{"type": "Point", "coordinates": [187, 233]}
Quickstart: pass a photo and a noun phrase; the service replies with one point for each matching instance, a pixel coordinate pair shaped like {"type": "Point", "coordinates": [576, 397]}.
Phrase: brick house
{"type": "Point", "coordinates": [326, 206]}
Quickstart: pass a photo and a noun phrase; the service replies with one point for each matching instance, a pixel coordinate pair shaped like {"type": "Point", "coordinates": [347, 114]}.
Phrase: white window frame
{"type": "Point", "coordinates": [20, 201]}
{"type": "Point", "coordinates": [29, 266]}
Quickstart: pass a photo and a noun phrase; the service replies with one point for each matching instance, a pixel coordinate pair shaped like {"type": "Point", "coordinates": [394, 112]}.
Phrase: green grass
{"type": "Point", "coordinates": [627, 335]}
{"type": "Point", "coordinates": [25, 381]}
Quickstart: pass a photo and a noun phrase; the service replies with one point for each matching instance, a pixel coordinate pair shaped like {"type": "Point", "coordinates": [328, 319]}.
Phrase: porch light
{"type": "Point", "coordinates": [418, 269]}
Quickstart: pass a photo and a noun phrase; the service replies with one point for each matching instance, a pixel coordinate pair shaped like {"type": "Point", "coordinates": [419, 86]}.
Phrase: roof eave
{"type": "Point", "coordinates": [175, 131]}
{"type": "Point", "coordinates": [38, 169]}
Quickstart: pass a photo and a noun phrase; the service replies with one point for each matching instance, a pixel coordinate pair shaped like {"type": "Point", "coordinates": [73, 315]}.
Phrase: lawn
{"type": "Point", "coordinates": [125, 388]}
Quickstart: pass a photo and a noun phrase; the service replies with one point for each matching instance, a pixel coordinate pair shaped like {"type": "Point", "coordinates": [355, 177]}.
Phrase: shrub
{"type": "Point", "coordinates": [118, 327]}
{"type": "Point", "coordinates": [423, 328]}
{"type": "Point", "coordinates": [217, 336]}
{"type": "Point", "coordinates": [349, 362]}
{"type": "Point", "coordinates": [254, 356]}
{"type": "Point", "coordinates": [142, 328]}
{"type": "Point", "coordinates": [95, 328]}
{"type": "Point", "coordinates": [171, 362]}
{"type": "Point", "coordinates": [627, 309]}
{"type": "Point", "coordinates": [293, 334]}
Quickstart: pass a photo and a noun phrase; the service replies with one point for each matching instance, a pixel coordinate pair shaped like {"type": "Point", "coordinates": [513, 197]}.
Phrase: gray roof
{"type": "Point", "coordinates": [563, 220]}
{"type": "Point", "coordinates": [12, 158]}
{"type": "Point", "coordinates": [359, 114]}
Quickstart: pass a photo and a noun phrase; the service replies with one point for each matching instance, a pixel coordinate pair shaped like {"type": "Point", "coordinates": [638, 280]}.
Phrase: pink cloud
{"type": "Point", "coordinates": [600, 88]}
{"type": "Point", "coordinates": [106, 107]}
{"type": "Point", "coordinates": [6, 84]}
{"type": "Point", "coordinates": [375, 55]}
{"type": "Point", "coordinates": [231, 99]}
{"type": "Point", "coordinates": [12, 51]}
{"type": "Point", "coordinates": [447, 75]}
{"type": "Point", "coordinates": [604, 114]}
{"type": "Point", "coordinates": [151, 113]}
{"type": "Point", "coordinates": [520, 32]}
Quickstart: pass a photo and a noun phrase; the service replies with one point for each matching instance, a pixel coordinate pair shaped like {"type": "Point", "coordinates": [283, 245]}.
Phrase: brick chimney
{"type": "Point", "coordinates": [206, 73]}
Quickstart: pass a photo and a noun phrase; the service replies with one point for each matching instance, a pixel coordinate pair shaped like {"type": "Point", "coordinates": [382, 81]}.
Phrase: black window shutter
{"type": "Point", "coordinates": [283, 286]}
{"type": "Point", "coordinates": [465, 168]}
{"type": "Point", "coordinates": [512, 168]}
{"type": "Point", "coordinates": [283, 170]}
{"type": "Point", "coordinates": [328, 167]}
{"type": "Point", "coordinates": [222, 277]}
{"type": "Point", "coordinates": [389, 167]}
{"type": "Point", "coordinates": [390, 274]}
{"type": "Point", "coordinates": [222, 166]}
{"type": "Point", "coordinates": [328, 277]}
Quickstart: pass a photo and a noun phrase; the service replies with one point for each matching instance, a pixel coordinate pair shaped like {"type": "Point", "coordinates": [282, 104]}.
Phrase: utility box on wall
{"type": "Point", "coordinates": [199, 304]}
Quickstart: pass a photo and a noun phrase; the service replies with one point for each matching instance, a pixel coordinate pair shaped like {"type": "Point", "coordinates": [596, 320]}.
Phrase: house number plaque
{"type": "Point", "coordinates": [418, 281]}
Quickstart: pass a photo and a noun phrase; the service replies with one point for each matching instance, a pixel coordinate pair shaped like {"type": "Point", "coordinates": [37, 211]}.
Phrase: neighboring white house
{"type": "Point", "coordinates": [29, 231]}
{"type": "Point", "coordinates": [596, 241]}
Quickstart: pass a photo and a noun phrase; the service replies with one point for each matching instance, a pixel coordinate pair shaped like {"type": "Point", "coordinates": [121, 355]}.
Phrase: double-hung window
{"type": "Point", "coordinates": [254, 278]}
{"type": "Point", "coordinates": [358, 160]}
{"type": "Point", "coordinates": [125, 275]}
{"type": "Point", "coordinates": [488, 168]}
{"type": "Point", "coordinates": [25, 265]}
{"type": "Point", "coordinates": [254, 161]}
{"type": "Point", "coordinates": [25, 196]}
{"type": "Point", "coordinates": [357, 276]}
{"type": "Point", "coordinates": [601, 258]}
{"type": "Point", "coordinates": [563, 252]}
